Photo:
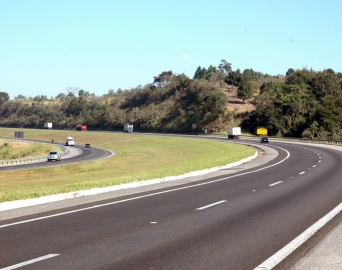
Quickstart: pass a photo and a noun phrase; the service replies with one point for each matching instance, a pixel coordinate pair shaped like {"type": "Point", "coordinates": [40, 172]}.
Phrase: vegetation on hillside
{"type": "Point", "coordinates": [303, 103]}
{"type": "Point", "coordinates": [307, 104]}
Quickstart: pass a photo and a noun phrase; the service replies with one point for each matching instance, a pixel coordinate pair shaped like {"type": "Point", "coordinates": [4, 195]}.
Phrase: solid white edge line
{"type": "Point", "coordinates": [211, 205]}
{"type": "Point", "coordinates": [298, 241]}
{"type": "Point", "coordinates": [276, 183]}
{"type": "Point", "coordinates": [30, 262]}
{"type": "Point", "coordinates": [148, 195]}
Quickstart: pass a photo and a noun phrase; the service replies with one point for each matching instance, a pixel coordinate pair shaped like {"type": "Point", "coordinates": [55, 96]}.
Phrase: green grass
{"type": "Point", "coordinates": [138, 157]}
{"type": "Point", "coordinates": [14, 149]}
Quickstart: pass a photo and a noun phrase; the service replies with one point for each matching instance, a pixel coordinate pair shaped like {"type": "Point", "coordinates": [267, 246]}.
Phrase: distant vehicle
{"type": "Point", "coordinates": [87, 145]}
{"type": "Point", "coordinates": [234, 132]}
{"type": "Point", "coordinates": [54, 155]}
{"type": "Point", "coordinates": [48, 125]}
{"type": "Point", "coordinates": [128, 128]}
{"type": "Point", "coordinates": [70, 141]}
{"type": "Point", "coordinates": [81, 127]}
{"type": "Point", "coordinates": [264, 139]}
{"type": "Point", "coordinates": [262, 131]}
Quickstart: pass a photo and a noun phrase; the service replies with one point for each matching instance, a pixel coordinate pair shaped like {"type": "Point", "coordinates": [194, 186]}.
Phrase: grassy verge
{"type": "Point", "coordinates": [138, 157]}
{"type": "Point", "coordinates": [11, 149]}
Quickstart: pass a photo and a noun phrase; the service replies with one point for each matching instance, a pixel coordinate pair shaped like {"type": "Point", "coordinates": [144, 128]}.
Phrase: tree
{"type": "Point", "coordinates": [234, 78]}
{"type": "Point", "coordinates": [201, 73]}
{"type": "Point", "coordinates": [163, 78]}
{"type": "Point", "coordinates": [326, 83]}
{"type": "Point", "coordinates": [225, 67]}
{"type": "Point", "coordinates": [290, 71]}
{"type": "Point", "coordinates": [82, 93]}
{"type": "Point", "coordinates": [76, 106]}
{"type": "Point", "coordinates": [328, 115]}
{"type": "Point", "coordinates": [3, 97]}
{"type": "Point", "coordinates": [111, 92]}
{"type": "Point", "coordinates": [211, 73]}
{"type": "Point", "coordinates": [245, 90]}
{"type": "Point", "coordinates": [40, 98]}
{"type": "Point", "coordinates": [304, 76]}
{"type": "Point", "coordinates": [71, 95]}
{"type": "Point", "coordinates": [250, 74]}
{"type": "Point", "coordinates": [61, 96]}
{"type": "Point", "coordinates": [20, 97]}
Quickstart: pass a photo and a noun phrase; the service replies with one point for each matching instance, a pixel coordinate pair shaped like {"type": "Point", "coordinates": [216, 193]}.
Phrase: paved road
{"type": "Point", "coordinates": [73, 155]}
{"type": "Point", "coordinates": [237, 221]}
{"type": "Point", "coordinates": [179, 232]}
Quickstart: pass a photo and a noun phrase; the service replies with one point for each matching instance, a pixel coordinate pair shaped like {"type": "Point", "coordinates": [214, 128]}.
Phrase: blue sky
{"type": "Point", "coordinates": [47, 47]}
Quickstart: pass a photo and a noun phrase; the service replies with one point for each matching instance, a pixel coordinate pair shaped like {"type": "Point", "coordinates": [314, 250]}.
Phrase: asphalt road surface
{"type": "Point", "coordinates": [75, 154]}
{"type": "Point", "coordinates": [233, 221]}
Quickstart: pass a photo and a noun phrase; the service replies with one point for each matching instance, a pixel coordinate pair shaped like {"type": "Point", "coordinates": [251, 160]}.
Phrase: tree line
{"type": "Point", "coordinates": [307, 104]}
{"type": "Point", "coordinates": [304, 103]}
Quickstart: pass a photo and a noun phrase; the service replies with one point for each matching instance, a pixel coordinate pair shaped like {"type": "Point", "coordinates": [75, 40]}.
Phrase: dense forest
{"type": "Point", "coordinates": [302, 103]}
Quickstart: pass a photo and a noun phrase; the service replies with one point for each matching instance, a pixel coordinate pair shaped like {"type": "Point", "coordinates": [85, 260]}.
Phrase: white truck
{"type": "Point", "coordinates": [48, 125]}
{"type": "Point", "coordinates": [70, 141]}
{"type": "Point", "coordinates": [128, 128]}
{"type": "Point", "coordinates": [234, 132]}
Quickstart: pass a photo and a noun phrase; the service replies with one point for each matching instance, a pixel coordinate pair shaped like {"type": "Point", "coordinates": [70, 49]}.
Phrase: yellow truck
{"type": "Point", "coordinates": [262, 131]}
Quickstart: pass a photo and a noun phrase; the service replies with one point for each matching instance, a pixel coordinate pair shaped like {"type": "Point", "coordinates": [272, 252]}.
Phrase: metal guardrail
{"type": "Point", "coordinates": [319, 141]}
{"type": "Point", "coordinates": [293, 139]}
{"type": "Point", "coordinates": [19, 161]}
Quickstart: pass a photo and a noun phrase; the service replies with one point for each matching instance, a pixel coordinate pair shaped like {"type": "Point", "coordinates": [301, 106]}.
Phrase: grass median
{"type": "Point", "coordinates": [137, 157]}
{"type": "Point", "coordinates": [14, 149]}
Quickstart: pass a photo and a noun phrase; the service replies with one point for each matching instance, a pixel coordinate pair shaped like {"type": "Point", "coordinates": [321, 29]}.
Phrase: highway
{"type": "Point", "coordinates": [75, 154]}
{"type": "Point", "coordinates": [229, 221]}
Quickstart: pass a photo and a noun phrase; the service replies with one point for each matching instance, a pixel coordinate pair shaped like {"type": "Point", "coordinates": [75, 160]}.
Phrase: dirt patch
{"type": "Point", "coordinates": [236, 103]}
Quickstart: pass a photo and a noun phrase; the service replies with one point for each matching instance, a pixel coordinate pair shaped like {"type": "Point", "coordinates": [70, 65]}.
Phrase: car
{"type": "Point", "coordinates": [54, 155]}
{"type": "Point", "coordinates": [87, 145]}
{"type": "Point", "coordinates": [263, 140]}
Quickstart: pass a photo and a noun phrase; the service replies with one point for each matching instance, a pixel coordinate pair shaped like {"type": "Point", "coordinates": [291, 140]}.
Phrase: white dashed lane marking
{"type": "Point", "coordinates": [276, 183]}
{"type": "Point", "coordinates": [211, 205]}
{"type": "Point", "coordinates": [30, 262]}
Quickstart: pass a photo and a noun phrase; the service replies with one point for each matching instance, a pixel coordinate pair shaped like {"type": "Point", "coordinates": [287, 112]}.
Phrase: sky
{"type": "Point", "coordinates": [56, 46]}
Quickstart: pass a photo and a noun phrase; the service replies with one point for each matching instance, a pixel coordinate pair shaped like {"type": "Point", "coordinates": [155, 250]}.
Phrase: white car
{"type": "Point", "coordinates": [54, 155]}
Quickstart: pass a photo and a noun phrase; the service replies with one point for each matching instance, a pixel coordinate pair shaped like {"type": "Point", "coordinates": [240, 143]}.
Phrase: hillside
{"type": "Point", "coordinates": [235, 103]}
{"type": "Point", "coordinates": [304, 104]}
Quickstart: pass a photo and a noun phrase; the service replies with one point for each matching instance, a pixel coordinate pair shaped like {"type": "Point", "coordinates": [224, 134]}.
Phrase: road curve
{"type": "Point", "coordinates": [75, 154]}
{"type": "Point", "coordinates": [233, 221]}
